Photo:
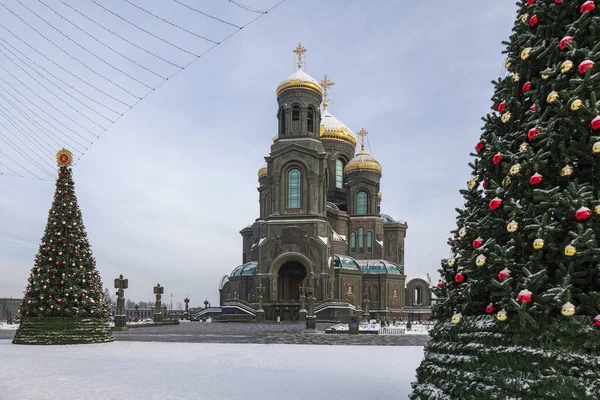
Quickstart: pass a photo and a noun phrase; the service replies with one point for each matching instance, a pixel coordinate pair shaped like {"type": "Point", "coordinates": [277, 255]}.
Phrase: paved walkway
{"type": "Point", "coordinates": [262, 333]}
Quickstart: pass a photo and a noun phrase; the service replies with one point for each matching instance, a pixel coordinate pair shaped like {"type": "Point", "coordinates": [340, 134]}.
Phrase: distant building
{"type": "Point", "coordinates": [8, 308]}
{"type": "Point", "coordinates": [320, 222]}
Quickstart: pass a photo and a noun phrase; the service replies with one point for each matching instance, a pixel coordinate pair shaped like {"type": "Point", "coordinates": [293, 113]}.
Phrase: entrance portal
{"type": "Point", "coordinates": [290, 277]}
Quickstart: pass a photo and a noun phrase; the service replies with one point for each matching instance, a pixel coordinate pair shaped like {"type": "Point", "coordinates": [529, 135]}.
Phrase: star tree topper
{"type": "Point", "coordinates": [64, 158]}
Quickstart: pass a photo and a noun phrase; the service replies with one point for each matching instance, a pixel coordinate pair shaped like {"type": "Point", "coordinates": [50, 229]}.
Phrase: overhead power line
{"type": "Point", "coordinates": [69, 72]}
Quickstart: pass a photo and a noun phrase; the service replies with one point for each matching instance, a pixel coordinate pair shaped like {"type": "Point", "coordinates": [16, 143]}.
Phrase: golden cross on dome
{"type": "Point", "coordinates": [362, 134]}
{"type": "Point", "coordinates": [326, 83]}
{"type": "Point", "coordinates": [299, 52]}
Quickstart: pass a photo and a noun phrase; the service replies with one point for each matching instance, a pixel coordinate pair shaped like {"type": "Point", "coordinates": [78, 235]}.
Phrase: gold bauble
{"type": "Point", "coordinates": [472, 184]}
{"type": "Point", "coordinates": [515, 169]}
{"type": "Point", "coordinates": [52, 306]}
{"type": "Point", "coordinates": [568, 309]}
{"type": "Point", "coordinates": [525, 53]}
{"type": "Point", "coordinates": [506, 181]}
{"type": "Point", "coordinates": [552, 97]}
{"type": "Point", "coordinates": [576, 105]}
{"type": "Point", "coordinates": [525, 18]}
{"type": "Point", "coordinates": [451, 261]}
{"type": "Point", "coordinates": [597, 210]}
{"type": "Point", "coordinates": [502, 315]}
{"type": "Point", "coordinates": [538, 244]}
{"type": "Point", "coordinates": [566, 171]}
{"type": "Point", "coordinates": [566, 66]}
{"type": "Point", "coordinates": [516, 78]}
{"type": "Point", "coordinates": [480, 260]}
{"type": "Point", "coordinates": [596, 148]}
{"type": "Point", "coordinates": [505, 117]}
{"type": "Point", "coordinates": [570, 251]}
{"type": "Point", "coordinates": [507, 63]}
{"type": "Point", "coordinates": [523, 147]}
{"type": "Point", "coordinates": [457, 318]}
{"type": "Point", "coordinates": [462, 232]}
{"type": "Point", "coordinates": [512, 226]}
{"type": "Point", "coordinates": [41, 297]}
{"type": "Point", "coordinates": [545, 76]}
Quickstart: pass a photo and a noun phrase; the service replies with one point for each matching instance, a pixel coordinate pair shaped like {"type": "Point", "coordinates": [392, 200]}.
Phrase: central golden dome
{"type": "Point", "coordinates": [299, 79]}
{"type": "Point", "coordinates": [332, 128]}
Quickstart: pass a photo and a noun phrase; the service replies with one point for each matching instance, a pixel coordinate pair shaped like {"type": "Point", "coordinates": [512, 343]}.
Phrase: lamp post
{"type": "Point", "coordinates": [186, 301]}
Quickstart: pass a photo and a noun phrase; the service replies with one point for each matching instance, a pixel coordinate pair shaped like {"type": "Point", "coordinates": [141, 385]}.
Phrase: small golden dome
{"type": "Point", "coordinates": [262, 172]}
{"type": "Point", "coordinates": [334, 129]}
{"type": "Point", "coordinates": [379, 195]}
{"type": "Point", "coordinates": [363, 161]}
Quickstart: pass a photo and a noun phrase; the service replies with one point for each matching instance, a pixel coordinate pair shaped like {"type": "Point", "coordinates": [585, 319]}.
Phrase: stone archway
{"type": "Point", "coordinates": [289, 278]}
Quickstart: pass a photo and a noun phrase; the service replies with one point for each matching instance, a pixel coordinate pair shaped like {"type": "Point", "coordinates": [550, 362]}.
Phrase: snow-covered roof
{"type": "Point", "coordinates": [333, 128]}
{"type": "Point", "coordinates": [426, 278]}
{"type": "Point", "coordinates": [300, 77]}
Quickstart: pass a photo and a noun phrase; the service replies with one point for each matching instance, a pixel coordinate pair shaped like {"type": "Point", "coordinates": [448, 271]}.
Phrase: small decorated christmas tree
{"type": "Point", "coordinates": [519, 298]}
{"type": "Point", "coordinates": [64, 300]}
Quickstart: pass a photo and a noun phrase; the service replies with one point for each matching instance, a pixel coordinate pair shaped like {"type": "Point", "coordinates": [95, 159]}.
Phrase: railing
{"type": "Point", "coordinates": [242, 305]}
{"type": "Point", "coordinates": [392, 330]}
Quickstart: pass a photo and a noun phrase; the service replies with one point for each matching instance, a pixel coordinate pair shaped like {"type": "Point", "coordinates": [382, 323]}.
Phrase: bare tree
{"type": "Point", "coordinates": [129, 304]}
{"type": "Point", "coordinates": [107, 297]}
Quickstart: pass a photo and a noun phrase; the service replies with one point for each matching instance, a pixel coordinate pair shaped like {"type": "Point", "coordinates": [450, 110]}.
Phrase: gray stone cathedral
{"type": "Point", "coordinates": [320, 228]}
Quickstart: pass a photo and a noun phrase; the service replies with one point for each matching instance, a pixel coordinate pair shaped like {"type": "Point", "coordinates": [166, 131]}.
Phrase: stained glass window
{"type": "Point", "coordinates": [294, 189]}
{"type": "Point", "coordinates": [361, 203]}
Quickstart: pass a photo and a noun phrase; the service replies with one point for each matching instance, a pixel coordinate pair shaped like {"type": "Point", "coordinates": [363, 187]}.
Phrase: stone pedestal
{"type": "Point", "coordinates": [158, 311]}
{"type": "Point", "coordinates": [260, 315]}
{"type": "Point", "coordinates": [120, 319]}
{"type": "Point", "coordinates": [302, 315]}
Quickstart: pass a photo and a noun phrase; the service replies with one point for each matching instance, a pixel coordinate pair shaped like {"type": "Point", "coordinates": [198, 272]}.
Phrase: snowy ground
{"type": "Point", "coordinates": [5, 326]}
{"type": "Point", "coordinates": [136, 370]}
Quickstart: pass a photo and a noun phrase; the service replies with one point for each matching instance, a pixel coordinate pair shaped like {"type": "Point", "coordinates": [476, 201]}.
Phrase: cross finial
{"type": "Point", "coordinates": [362, 134]}
{"type": "Point", "coordinates": [326, 83]}
{"type": "Point", "coordinates": [299, 52]}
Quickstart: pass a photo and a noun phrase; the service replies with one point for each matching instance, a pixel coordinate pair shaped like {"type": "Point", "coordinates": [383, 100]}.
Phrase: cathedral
{"type": "Point", "coordinates": [320, 231]}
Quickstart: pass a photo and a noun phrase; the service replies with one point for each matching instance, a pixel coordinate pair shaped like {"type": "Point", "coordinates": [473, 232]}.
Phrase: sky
{"type": "Point", "coordinates": [166, 188]}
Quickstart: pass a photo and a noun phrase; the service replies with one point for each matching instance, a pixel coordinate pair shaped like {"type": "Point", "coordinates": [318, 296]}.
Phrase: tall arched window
{"type": "Point", "coordinates": [295, 112]}
{"type": "Point", "coordinates": [339, 173]}
{"type": "Point", "coordinates": [369, 240]}
{"type": "Point", "coordinates": [294, 188]}
{"type": "Point", "coordinates": [282, 120]}
{"type": "Point", "coordinates": [361, 203]}
{"type": "Point", "coordinates": [418, 296]}
{"type": "Point", "coordinates": [310, 120]}
{"type": "Point", "coordinates": [353, 241]}
{"type": "Point", "coordinates": [361, 237]}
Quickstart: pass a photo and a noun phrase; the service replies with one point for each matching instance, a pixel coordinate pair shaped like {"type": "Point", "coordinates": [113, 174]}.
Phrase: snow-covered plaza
{"type": "Point", "coordinates": [150, 370]}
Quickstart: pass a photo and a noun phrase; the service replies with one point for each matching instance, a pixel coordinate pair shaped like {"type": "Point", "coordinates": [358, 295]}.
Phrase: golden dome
{"type": "Point", "coordinates": [334, 129]}
{"type": "Point", "coordinates": [363, 161]}
{"type": "Point", "coordinates": [262, 172]}
{"type": "Point", "coordinates": [299, 79]}
{"type": "Point", "coordinates": [379, 195]}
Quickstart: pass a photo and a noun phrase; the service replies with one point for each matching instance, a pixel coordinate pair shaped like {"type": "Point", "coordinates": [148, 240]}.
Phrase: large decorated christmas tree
{"type": "Point", "coordinates": [64, 300]}
{"type": "Point", "coordinates": [519, 300]}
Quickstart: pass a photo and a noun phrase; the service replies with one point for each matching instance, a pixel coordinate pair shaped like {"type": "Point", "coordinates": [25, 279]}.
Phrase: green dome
{"type": "Point", "coordinates": [245, 269]}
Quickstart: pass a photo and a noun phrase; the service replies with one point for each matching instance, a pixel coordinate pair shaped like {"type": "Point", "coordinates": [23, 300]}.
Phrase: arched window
{"type": "Point", "coordinates": [310, 120]}
{"type": "Point", "coordinates": [353, 240]}
{"type": "Point", "coordinates": [295, 112]}
{"type": "Point", "coordinates": [339, 173]}
{"type": "Point", "coordinates": [369, 240]}
{"type": "Point", "coordinates": [294, 188]}
{"type": "Point", "coordinates": [361, 237]}
{"type": "Point", "coordinates": [418, 296]}
{"type": "Point", "coordinates": [282, 120]}
{"type": "Point", "coordinates": [361, 203]}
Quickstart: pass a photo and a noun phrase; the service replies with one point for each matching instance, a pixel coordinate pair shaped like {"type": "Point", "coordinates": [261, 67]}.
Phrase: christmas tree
{"type": "Point", "coordinates": [519, 299]}
{"type": "Point", "coordinates": [64, 300]}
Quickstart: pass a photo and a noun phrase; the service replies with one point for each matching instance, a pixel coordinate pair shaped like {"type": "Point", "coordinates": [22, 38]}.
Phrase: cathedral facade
{"type": "Point", "coordinates": [320, 228]}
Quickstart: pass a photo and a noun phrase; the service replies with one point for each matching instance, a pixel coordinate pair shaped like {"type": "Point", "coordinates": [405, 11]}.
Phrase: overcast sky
{"type": "Point", "coordinates": [166, 190]}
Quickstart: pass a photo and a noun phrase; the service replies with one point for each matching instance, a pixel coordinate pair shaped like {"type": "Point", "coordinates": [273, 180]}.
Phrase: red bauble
{"type": "Point", "coordinates": [536, 179]}
{"type": "Point", "coordinates": [533, 132]}
{"type": "Point", "coordinates": [59, 300]}
{"type": "Point", "coordinates": [587, 6]}
{"type": "Point", "coordinates": [564, 41]}
{"type": "Point", "coordinates": [530, 2]}
{"type": "Point", "coordinates": [525, 296]}
{"type": "Point", "coordinates": [532, 109]}
{"type": "Point", "coordinates": [534, 21]}
{"type": "Point", "coordinates": [596, 320]}
{"type": "Point", "coordinates": [477, 243]}
{"type": "Point", "coordinates": [502, 107]}
{"type": "Point", "coordinates": [441, 284]}
{"type": "Point", "coordinates": [27, 313]}
{"type": "Point", "coordinates": [558, 1]}
{"type": "Point", "coordinates": [480, 146]}
{"type": "Point", "coordinates": [583, 214]}
{"type": "Point", "coordinates": [76, 312]}
{"type": "Point", "coordinates": [58, 309]}
{"type": "Point", "coordinates": [596, 123]}
{"type": "Point", "coordinates": [490, 308]}
{"type": "Point", "coordinates": [495, 204]}
{"type": "Point", "coordinates": [497, 159]}
{"type": "Point", "coordinates": [526, 87]}
{"type": "Point", "coordinates": [41, 310]}
{"type": "Point", "coordinates": [584, 66]}
{"type": "Point", "coordinates": [486, 185]}
{"type": "Point", "coordinates": [459, 278]}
